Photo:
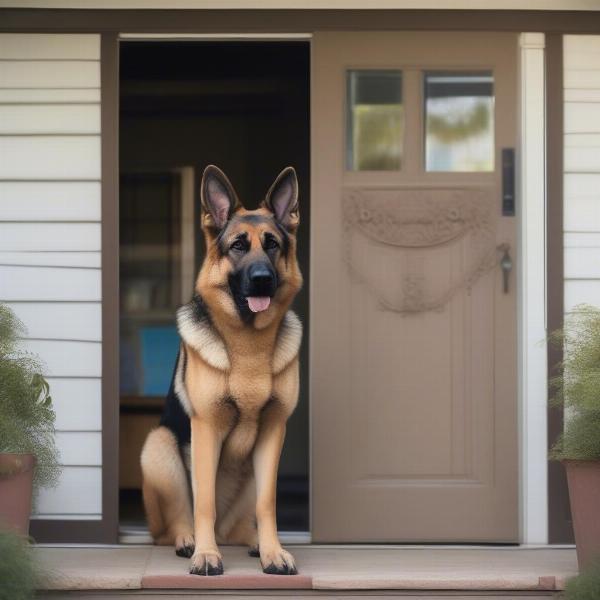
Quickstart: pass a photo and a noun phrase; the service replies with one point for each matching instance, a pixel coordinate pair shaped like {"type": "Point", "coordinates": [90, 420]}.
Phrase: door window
{"type": "Point", "coordinates": [375, 120]}
{"type": "Point", "coordinates": [457, 114]}
{"type": "Point", "coordinates": [459, 121]}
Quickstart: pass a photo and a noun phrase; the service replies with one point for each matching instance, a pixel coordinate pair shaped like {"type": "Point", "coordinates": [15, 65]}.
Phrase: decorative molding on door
{"type": "Point", "coordinates": [416, 222]}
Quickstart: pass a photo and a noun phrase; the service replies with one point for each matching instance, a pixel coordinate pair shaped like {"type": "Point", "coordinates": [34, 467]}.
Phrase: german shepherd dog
{"type": "Point", "coordinates": [234, 386]}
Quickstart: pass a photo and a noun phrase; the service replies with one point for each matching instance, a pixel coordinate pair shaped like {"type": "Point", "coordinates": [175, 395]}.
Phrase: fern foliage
{"type": "Point", "coordinates": [26, 413]}
{"type": "Point", "coordinates": [17, 571]}
{"type": "Point", "coordinates": [577, 385]}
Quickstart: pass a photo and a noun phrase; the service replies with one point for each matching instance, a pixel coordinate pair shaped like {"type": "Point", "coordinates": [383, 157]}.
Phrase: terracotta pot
{"type": "Point", "coordinates": [15, 491]}
{"type": "Point", "coordinates": [584, 492]}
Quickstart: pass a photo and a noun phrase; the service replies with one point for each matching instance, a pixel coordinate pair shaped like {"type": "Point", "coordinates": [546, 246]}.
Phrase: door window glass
{"type": "Point", "coordinates": [459, 121]}
{"type": "Point", "coordinates": [375, 120]}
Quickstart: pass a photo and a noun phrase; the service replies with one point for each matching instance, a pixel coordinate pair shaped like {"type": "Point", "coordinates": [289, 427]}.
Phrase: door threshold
{"type": "Point", "coordinates": [139, 535]}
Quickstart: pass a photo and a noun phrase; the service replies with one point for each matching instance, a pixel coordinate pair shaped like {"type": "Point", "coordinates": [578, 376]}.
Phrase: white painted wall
{"type": "Point", "coordinates": [582, 170]}
{"type": "Point", "coordinates": [50, 240]}
{"type": "Point", "coordinates": [532, 293]}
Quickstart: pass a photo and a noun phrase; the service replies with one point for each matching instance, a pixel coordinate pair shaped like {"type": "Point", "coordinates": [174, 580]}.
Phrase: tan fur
{"type": "Point", "coordinates": [235, 445]}
{"type": "Point", "coordinates": [209, 345]}
{"type": "Point", "coordinates": [167, 504]}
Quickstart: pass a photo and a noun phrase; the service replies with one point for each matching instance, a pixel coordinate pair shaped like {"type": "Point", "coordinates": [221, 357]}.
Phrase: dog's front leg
{"type": "Point", "coordinates": [206, 449]}
{"type": "Point", "coordinates": [273, 557]}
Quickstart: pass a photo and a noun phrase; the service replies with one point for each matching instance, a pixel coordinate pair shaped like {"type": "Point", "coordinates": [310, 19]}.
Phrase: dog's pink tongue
{"type": "Point", "coordinates": [258, 303]}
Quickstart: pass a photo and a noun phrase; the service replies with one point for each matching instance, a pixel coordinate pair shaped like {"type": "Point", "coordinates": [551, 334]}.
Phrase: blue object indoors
{"type": "Point", "coordinates": [159, 346]}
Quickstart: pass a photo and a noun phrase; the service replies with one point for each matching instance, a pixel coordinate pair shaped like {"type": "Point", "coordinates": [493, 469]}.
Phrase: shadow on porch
{"type": "Point", "coordinates": [341, 571]}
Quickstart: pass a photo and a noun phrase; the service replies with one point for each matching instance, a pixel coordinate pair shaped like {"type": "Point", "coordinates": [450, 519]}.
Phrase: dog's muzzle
{"type": "Point", "coordinates": [262, 284]}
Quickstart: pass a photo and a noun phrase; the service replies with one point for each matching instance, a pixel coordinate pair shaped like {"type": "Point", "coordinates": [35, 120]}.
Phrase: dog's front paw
{"type": "Point", "coordinates": [206, 563]}
{"type": "Point", "coordinates": [277, 562]}
{"type": "Point", "coordinates": [184, 545]}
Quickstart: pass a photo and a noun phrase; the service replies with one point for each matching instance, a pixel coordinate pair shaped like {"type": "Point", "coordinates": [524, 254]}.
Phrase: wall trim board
{"type": "Point", "coordinates": [60, 531]}
{"type": "Point", "coordinates": [292, 20]}
{"type": "Point", "coordinates": [559, 523]}
{"type": "Point", "coordinates": [109, 56]}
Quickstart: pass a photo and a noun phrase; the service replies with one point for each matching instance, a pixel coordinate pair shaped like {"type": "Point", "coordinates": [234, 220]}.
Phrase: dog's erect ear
{"type": "Point", "coordinates": [219, 200]}
{"type": "Point", "coordinates": [282, 198]}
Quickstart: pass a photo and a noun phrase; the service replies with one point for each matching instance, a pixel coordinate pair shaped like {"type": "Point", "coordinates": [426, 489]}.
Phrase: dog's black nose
{"type": "Point", "coordinates": [260, 275]}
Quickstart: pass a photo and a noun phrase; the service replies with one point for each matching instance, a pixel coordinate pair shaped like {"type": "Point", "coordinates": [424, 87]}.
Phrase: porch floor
{"type": "Point", "coordinates": [468, 568]}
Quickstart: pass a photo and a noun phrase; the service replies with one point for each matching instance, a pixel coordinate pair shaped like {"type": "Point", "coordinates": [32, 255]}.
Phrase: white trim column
{"type": "Point", "coordinates": [532, 294]}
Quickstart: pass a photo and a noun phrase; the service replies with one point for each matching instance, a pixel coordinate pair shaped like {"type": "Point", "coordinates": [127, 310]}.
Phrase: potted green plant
{"type": "Point", "coordinates": [586, 586]}
{"type": "Point", "coordinates": [577, 388]}
{"type": "Point", "coordinates": [18, 573]}
{"type": "Point", "coordinates": [28, 454]}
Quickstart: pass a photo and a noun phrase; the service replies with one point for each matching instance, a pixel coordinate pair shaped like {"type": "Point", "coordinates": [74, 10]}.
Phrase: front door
{"type": "Point", "coordinates": [413, 299]}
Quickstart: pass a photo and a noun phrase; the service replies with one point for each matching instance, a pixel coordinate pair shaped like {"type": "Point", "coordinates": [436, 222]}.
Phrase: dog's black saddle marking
{"type": "Point", "coordinates": [174, 417]}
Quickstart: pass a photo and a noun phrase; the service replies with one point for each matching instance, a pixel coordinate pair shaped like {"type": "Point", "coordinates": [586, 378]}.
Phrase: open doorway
{"type": "Point", "coordinates": [243, 106]}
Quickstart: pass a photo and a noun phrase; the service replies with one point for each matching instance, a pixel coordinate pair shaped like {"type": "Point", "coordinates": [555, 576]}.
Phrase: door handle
{"type": "Point", "coordinates": [506, 264]}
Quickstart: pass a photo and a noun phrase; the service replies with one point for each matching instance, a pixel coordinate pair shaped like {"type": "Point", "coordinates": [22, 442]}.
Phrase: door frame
{"type": "Point", "coordinates": [183, 23]}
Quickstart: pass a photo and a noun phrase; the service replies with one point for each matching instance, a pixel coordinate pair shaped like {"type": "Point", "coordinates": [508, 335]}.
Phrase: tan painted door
{"type": "Point", "coordinates": [413, 333]}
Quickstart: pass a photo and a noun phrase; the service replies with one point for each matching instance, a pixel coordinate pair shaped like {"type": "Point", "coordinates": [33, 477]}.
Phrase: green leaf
{"type": "Point", "coordinates": [27, 416]}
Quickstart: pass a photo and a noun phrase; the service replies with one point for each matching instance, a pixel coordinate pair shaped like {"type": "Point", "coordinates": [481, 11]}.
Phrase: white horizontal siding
{"type": "Point", "coordinates": [581, 202]}
{"type": "Point", "coordinates": [74, 237]}
{"type": "Point", "coordinates": [48, 46]}
{"type": "Point", "coordinates": [583, 214]}
{"type": "Point", "coordinates": [581, 52]}
{"type": "Point", "coordinates": [584, 139]}
{"type": "Point", "coordinates": [61, 320]}
{"type": "Point", "coordinates": [582, 170]}
{"type": "Point", "coordinates": [583, 158]}
{"type": "Point", "coordinates": [63, 358]}
{"type": "Point", "coordinates": [91, 260]}
{"type": "Point", "coordinates": [80, 449]}
{"type": "Point", "coordinates": [50, 201]}
{"type": "Point", "coordinates": [580, 117]}
{"type": "Point", "coordinates": [77, 402]}
{"type": "Point", "coordinates": [578, 291]}
{"type": "Point", "coordinates": [70, 517]}
{"type": "Point", "coordinates": [79, 492]}
{"type": "Point", "coordinates": [50, 74]}
{"type": "Point", "coordinates": [50, 157]}
{"type": "Point", "coordinates": [579, 239]}
{"type": "Point", "coordinates": [46, 95]}
{"type": "Point", "coordinates": [582, 185]}
{"type": "Point", "coordinates": [582, 263]}
{"type": "Point", "coordinates": [50, 241]}
{"type": "Point", "coordinates": [579, 95]}
{"type": "Point", "coordinates": [583, 78]}
{"type": "Point", "coordinates": [28, 119]}
{"type": "Point", "coordinates": [49, 284]}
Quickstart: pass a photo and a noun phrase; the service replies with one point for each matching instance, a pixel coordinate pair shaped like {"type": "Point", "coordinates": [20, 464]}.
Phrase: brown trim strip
{"type": "Point", "coordinates": [109, 118]}
{"type": "Point", "coordinates": [289, 21]}
{"type": "Point", "coordinates": [559, 516]}
{"type": "Point", "coordinates": [67, 531]}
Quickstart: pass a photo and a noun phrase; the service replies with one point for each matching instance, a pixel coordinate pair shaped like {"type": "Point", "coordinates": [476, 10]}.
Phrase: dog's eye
{"type": "Point", "coordinates": [271, 244]}
{"type": "Point", "coordinates": [238, 245]}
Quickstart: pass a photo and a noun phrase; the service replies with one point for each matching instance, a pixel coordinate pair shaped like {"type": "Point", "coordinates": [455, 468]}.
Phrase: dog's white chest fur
{"type": "Point", "coordinates": [197, 331]}
{"type": "Point", "coordinates": [201, 335]}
